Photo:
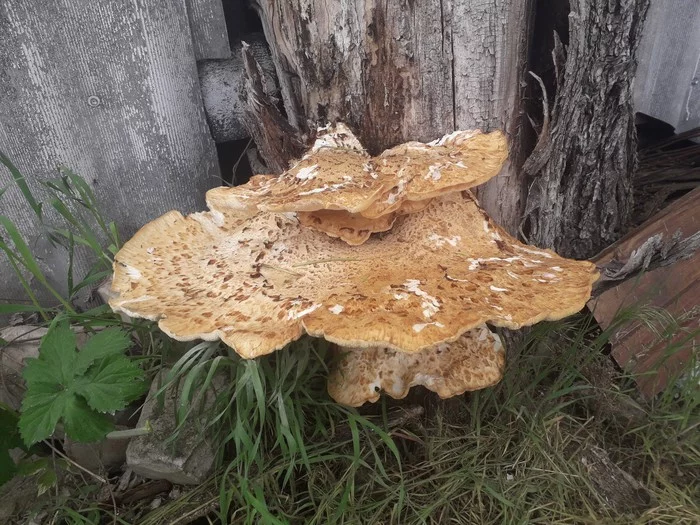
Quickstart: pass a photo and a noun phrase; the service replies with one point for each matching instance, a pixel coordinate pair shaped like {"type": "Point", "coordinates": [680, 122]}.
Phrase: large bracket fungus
{"type": "Point", "coordinates": [259, 279]}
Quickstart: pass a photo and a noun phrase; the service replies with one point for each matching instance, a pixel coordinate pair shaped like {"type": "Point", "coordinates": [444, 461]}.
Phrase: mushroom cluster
{"type": "Point", "coordinates": [389, 257]}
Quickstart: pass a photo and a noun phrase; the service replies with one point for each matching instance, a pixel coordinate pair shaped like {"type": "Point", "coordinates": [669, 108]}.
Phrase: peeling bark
{"type": "Point", "coordinates": [581, 197]}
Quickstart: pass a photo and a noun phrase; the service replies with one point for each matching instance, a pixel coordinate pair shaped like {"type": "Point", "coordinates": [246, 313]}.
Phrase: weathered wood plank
{"type": "Point", "coordinates": [675, 288]}
{"type": "Point", "coordinates": [667, 85]}
{"type": "Point", "coordinates": [109, 89]}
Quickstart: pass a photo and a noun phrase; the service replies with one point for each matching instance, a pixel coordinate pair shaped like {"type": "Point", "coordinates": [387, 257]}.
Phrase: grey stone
{"type": "Point", "coordinates": [188, 460]}
{"type": "Point", "coordinates": [104, 456]}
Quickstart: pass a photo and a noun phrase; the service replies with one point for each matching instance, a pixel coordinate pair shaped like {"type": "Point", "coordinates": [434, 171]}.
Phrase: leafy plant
{"type": "Point", "coordinates": [76, 223]}
{"type": "Point", "coordinates": [78, 387]}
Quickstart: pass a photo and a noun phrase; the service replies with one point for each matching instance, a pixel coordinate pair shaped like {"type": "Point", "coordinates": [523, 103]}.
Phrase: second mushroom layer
{"type": "Point", "coordinates": [475, 361]}
{"type": "Point", "coordinates": [260, 282]}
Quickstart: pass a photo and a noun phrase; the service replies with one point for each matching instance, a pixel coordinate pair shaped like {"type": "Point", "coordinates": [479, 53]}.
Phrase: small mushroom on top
{"type": "Point", "coordinates": [475, 361]}
{"type": "Point", "coordinates": [339, 190]}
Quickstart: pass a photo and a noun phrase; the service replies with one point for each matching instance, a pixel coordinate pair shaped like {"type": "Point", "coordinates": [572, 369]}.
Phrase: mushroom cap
{"type": "Point", "coordinates": [456, 162]}
{"type": "Point", "coordinates": [246, 195]}
{"type": "Point", "coordinates": [335, 174]}
{"type": "Point", "coordinates": [358, 375]}
{"type": "Point", "coordinates": [259, 282]}
{"type": "Point", "coordinates": [338, 174]}
{"type": "Point", "coordinates": [355, 228]}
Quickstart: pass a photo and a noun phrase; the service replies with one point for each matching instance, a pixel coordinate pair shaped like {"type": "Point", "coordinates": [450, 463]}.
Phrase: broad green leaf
{"type": "Point", "coordinates": [57, 348]}
{"type": "Point", "coordinates": [39, 419]}
{"type": "Point", "coordinates": [105, 343]}
{"type": "Point", "coordinates": [111, 384]}
{"type": "Point", "coordinates": [45, 376]}
{"type": "Point", "coordinates": [82, 424]}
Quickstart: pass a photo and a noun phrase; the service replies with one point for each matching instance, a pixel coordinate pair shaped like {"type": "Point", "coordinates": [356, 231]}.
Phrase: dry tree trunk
{"type": "Point", "coordinates": [398, 70]}
{"type": "Point", "coordinates": [581, 199]}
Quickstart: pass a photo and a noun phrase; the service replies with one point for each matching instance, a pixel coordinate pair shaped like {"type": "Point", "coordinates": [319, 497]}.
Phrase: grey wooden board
{"type": "Point", "coordinates": [667, 86]}
{"type": "Point", "coordinates": [208, 27]}
{"type": "Point", "coordinates": [109, 89]}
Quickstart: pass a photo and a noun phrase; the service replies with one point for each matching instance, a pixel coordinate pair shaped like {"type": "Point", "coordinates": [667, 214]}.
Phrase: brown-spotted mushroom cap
{"type": "Point", "coordinates": [456, 162]}
{"type": "Point", "coordinates": [358, 375]}
{"type": "Point", "coordinates": [355, 228]}
{"type": "Point", "coordinates": [338, 174]}
{"type": "Point", "coordinates": [260, 282]}
{"type": "Point", "coordinates": [246, 195]}
{"type": "Point", "coordinates": [335, 174]}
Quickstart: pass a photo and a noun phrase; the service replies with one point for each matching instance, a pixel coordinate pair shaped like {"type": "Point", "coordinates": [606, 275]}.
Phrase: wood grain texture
{"type": "Point", "coordinates": [675, 288]}
{"type": "Point", "coordinates": [110, 90]}
{"type": "Point", "coordinates": [208, 29]}
{"type": "Point", "coordinates": [404, 70]}
{"type": "Point", "coordinates": [667, 86]}
{"type": "Point", "coordinates": [581, 197]}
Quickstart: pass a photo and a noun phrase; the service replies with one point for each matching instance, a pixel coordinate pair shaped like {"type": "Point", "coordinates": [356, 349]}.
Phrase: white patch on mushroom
{"type": "Point", "coordinates": [557, 269]}
{"type": "Point", "coordinates": [150, 250]}
{"type": "Point", "coordinates": [424, 379]}
{"type": "Point", "coordinates": [452, 136]}
{"type": "Point", "coordinates": [497, 343]}
{"type": "Point", "coordinates": [497, 289]}
{"type": "Point", "coordinates": [337, 309]}
{"type": "Point", "coordinates": [323, 188]}
{"type": "Point", "coordinates": [133, 273]}
{"type": "Point", "coordinates": [440, 240]}
{"type": "Point", "coordinates": [475, 263]}
{"type": "Point", "coordinates": [461, 164]}
{"type": "Point", "coordinates": [534, 252]}
{"type": "Point", "coordinates": [433, 172]}
{"type": "Point", "coordinates": [292, 314]}
{"type": "Point", "coordinates": [395, 194]}
{"type": "Point", "coordinates": [512, 275]}
{"type": "Point", "coordinates": [400, 296]}
{"type": "Point", "coordinates": [397, 386]}
{"type": "Point", "coordinates": [549, 276]}
{"type": "Point", "coordinates": [419, 327]}
{"type": "Point", "coordinates": [307, 173]}
{"type": "Point", "coordinates": [429, 304]}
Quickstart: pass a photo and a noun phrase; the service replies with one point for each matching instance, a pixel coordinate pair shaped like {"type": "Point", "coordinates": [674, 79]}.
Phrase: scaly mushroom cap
{"type": "Point", "coordinates": [338, 174]}
{"type": "Point", "coordinates": [335, 174]}
{"type": "Point", "coordinates": [259, 282]}
{"type": "Point", "coordinates": [246, 195]}
{"type": "Point", "coordinates": [354, 228]}
{"type": "Point", "coordinates": [358, 375]}
{"type": "Point", "coordinates": [456, 162]}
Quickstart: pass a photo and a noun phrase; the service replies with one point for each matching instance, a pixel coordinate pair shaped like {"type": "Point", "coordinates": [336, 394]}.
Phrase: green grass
{"type": "Point", "coordinates": [288, 454]}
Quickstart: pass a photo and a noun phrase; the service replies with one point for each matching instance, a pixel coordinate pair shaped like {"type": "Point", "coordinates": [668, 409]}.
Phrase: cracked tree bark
{"type": "Point", "coordinates": [581, 197]}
